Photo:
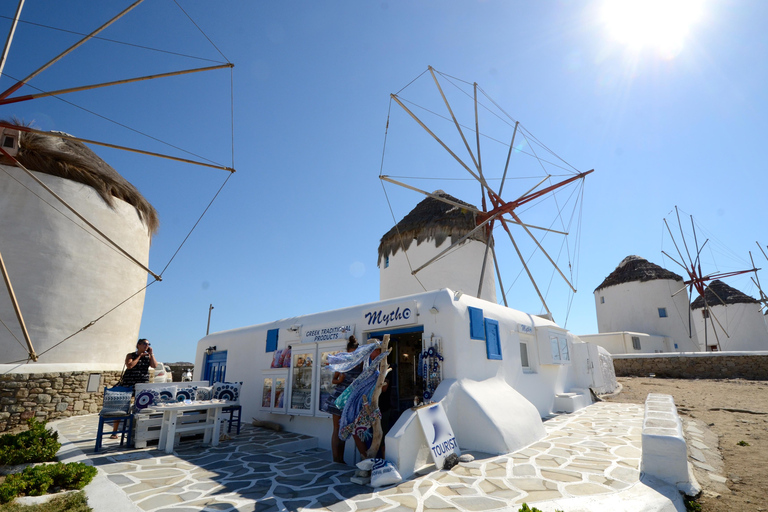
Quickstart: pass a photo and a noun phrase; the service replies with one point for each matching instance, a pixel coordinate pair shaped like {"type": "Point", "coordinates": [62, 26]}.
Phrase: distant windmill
{"type": "Point", "coordinates": [697, 279]}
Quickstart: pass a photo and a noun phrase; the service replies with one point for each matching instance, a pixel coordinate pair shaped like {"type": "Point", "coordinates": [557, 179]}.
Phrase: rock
{"type": "Point", "coordinates": [450, 461]}
{"type": "Point", "coordinates": [467, 457]}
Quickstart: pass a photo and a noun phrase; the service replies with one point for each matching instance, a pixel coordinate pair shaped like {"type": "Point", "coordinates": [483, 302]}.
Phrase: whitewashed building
{"type": "Point", "coordinates": [497, 373]}
{"type": "Point", "coordinates": [642, 307]}
{"type": "Point", "coordinates": [733, 322]}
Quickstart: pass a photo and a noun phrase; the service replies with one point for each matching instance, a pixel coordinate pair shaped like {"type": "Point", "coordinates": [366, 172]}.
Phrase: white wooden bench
{"type": "Point", "coordinates": [148, 424]}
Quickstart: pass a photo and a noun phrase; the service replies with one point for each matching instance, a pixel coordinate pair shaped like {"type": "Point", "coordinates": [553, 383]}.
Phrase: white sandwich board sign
{"type": "Point", "coordinates": [438, 432]}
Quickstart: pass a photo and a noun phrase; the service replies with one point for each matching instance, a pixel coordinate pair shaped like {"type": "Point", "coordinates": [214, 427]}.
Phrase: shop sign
{"type": "Point", "coordinates": [390, 316]}
{"type": "Point", "coordinates": [328, 333]}
{"type": "Point", "coordinates": [438, 432]}
{"type": "Point", "coordinates": [526, 329]}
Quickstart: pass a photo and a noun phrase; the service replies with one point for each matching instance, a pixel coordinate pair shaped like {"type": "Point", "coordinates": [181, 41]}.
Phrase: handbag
{"type": "Point", "coordinates": [341, 401]}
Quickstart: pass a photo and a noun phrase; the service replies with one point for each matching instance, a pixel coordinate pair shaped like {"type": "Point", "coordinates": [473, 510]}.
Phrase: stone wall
{"type": "Point", "coordinates": [48, 396]}
{"type": "Point", "coordinates": [709, 365]}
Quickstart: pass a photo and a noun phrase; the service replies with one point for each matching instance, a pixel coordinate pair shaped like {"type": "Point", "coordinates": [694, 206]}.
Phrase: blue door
{"type": "Point", "coordinates": [215, 367]}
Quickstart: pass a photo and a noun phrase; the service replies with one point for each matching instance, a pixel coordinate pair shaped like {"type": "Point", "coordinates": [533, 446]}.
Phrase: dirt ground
{"type": "Point", "coordinates": [737, 412]}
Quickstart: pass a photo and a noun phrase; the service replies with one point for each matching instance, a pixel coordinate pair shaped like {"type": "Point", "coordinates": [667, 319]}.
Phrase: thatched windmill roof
{"type": "Point", "coordinates": [431, 220]}
{"type": "Point", "coordinates": [635, 268]}
{"type": "Point", "coordinates": [74, 161]}
{"type": "Point", "coordinates": [718, 293]}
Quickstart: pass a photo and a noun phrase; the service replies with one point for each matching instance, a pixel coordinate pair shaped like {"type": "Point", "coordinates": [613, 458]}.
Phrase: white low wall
{"type": "Point", "coordinates": [665, 453]}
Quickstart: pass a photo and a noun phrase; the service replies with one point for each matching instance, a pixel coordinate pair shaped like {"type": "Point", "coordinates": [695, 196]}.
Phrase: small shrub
{"type": "Point", "coordinates": [525, 508]}
{"type": "Point", "coordinates": [37, 480]}
{"type": "Point", "coordinates": [72, 502]}
{"type": "Point", "coordinates": [742, 443]}
{"type": "Point", "coordinates": [37, 444]}
{"type": "Point", "coordinates": [74, 475]}
{"type": "Point", "coordinates": [691, 505]}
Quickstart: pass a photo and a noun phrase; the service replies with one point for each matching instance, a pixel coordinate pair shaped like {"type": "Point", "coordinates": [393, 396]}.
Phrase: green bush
{"type": "Point", "coordinates": [526, 508]}
{"type": "Point", "coordinates": [37, 480]}
{"type": "Point", "coordinates": [37, 444]}
{"type": "Point", "coordinates": [72, 502]}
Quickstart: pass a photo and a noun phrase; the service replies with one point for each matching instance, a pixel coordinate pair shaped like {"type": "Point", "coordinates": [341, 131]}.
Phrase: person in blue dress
{"type": "Point", "coordinates": [342, 382]}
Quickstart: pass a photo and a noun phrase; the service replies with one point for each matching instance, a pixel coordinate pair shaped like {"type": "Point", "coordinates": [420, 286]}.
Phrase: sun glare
{"type": "Point", "coordinates": [659, 24]}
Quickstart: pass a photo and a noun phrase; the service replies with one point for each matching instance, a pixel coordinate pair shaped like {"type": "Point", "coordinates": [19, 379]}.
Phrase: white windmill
{"type": "Point", "coordinates": [528, 194]}
{"type": "Point", "coordinates": [75, 234]}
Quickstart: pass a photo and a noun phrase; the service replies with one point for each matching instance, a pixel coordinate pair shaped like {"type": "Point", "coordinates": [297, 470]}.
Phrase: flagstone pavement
{"type": "Point", "coordinates": [594, 451]}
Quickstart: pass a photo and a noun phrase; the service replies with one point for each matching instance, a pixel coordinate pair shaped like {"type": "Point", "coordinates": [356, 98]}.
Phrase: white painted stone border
{"type": "Point", "coordinates": [665, 452]}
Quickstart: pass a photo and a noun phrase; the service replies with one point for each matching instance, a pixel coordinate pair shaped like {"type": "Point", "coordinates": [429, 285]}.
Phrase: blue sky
{"type": "Point", "coordinates": [296, 229]}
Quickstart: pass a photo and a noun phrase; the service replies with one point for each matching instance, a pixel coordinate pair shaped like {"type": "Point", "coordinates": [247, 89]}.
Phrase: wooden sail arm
{"type": "Point", "coordinates": [763, 297]}
{"type": "Point", "coordinates": [665, 253]}
{"type": "Point", "coordinates": [114, 146]}
{"type": "Point", "coordinates": [525, 266]}
{"type": "Point", "coordinates": [384, 177]}
{"type": "Point", "coordinates": [498, 276]}
{"type": "Point", "coordinates": [485, 259]}
{"type": "Point", "coordinates": [453, 117]}
{"type": "Point", "coordinates": [17, 310]}
{"type": "Point", "coordinates": [508, 207]}
{"type": "Point", "coordinates": [428, 194]}
{"type": "Point", "coordinates": [27, 97]}
{"type": "Point", "coordinates": [8, 40]}
{"type": "Point", "coordinates": [718, 275]}
{"type": "Point", "coordinates": [674, 242]}
{"type": "Point", "coordinates": [79, 215]}
{"type": "Point", "coordinates": [69, 50]}
{"type": "Point", "coordinates": [542, 250]}
{"type": "Point", "coordinates": [509, 155]}
{"type": "Point", "coordinates": [439, 141]}
{"type": "Point", "coordinates": [711, 317]}
{"type": "Point", "coordinates": [477, 139]}
{"type": "Point", "coordinates": [454, 244]}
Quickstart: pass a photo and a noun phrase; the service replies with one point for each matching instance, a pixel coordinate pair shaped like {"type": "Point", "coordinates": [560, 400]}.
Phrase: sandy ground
{"type": "Point", "coordinates": [737, 412]}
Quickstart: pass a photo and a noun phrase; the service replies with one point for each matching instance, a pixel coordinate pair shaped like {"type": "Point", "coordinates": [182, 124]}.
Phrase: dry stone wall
{"type": "Point", "coordinates": [48, 396]}
{"type": "Point", "coordinates": [714, 365]}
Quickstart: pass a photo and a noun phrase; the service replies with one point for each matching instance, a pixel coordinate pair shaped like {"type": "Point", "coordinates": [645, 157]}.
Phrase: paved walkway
{"type": "Point", "coordinates": [593, 452]}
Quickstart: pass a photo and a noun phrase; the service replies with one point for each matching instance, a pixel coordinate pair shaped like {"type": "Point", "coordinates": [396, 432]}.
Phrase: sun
{"type": "Point", "coordinates": [662, 25]}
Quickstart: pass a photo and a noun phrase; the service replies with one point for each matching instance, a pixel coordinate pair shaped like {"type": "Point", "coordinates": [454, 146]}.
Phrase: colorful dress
{"type": "Point", "coordinates": [330, 404]}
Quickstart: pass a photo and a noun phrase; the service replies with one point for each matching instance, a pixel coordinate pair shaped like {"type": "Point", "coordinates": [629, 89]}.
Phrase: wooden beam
{"type": "Point", "coordinates": [17, 310]}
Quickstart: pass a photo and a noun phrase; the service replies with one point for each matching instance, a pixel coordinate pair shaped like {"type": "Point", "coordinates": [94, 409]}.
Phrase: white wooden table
{"type": "Point", "coordinates": [171, 424]}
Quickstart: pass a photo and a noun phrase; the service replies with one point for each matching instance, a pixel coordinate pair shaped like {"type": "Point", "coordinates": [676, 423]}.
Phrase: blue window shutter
{"type": "Point", "coordinates": [272, 339]}
{"type": "Point", "coordinates": [476, 327]}
{"type": "Point", "coordinates": [492, 341]}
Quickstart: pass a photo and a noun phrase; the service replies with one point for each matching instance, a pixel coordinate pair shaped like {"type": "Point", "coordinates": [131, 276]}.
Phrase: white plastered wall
{"type": "Point", "coordinates": [464, 358]}
{"type": "Point", "coordinates": [65, 278]}
{"type": "Point", "coordinates": [621, 342]}
{"type": "Point", "coordinates": [459, 270]}
{"type": "Point", "coordinates": [743, 323]}
{"type": "Point", "coordinates": [634, 307]}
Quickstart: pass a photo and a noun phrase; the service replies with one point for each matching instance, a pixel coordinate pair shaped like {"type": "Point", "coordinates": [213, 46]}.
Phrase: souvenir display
{"type": "Point", "coordinates": [430, 367]}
